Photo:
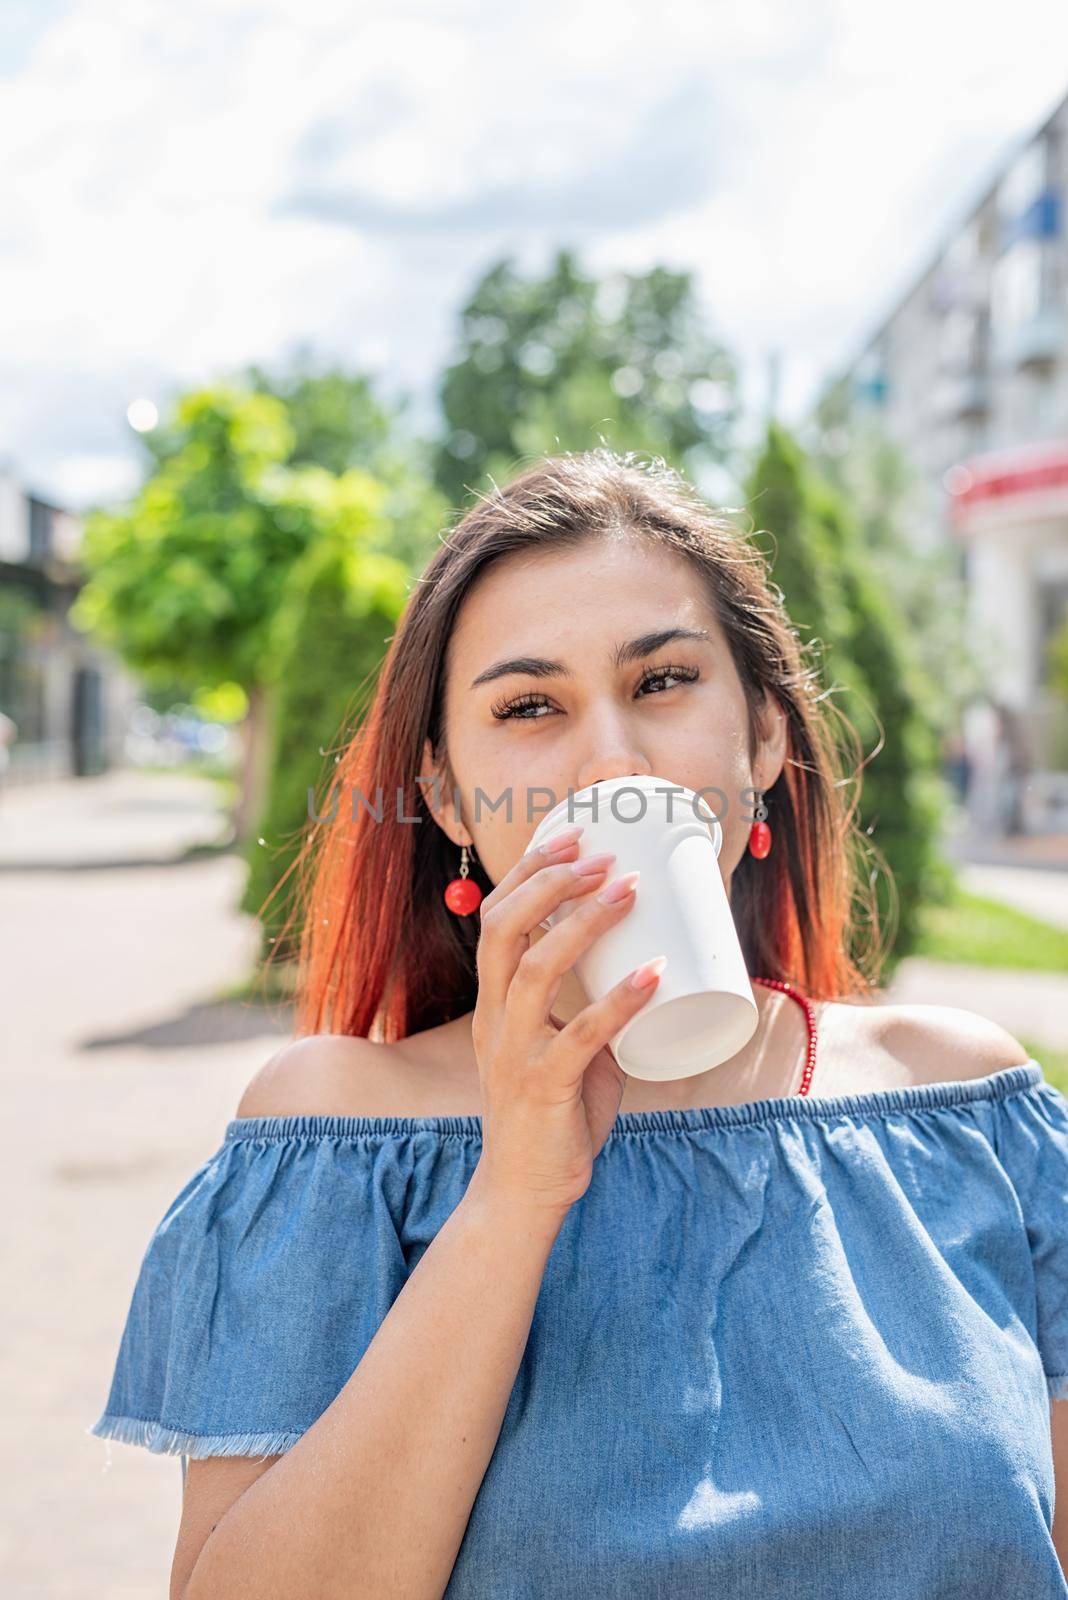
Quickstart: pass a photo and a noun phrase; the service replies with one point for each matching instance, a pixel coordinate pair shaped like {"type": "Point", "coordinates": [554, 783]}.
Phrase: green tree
{"type": "Point", "coordinates": [1057, 658]}
{"type": "Point", "coordinates": [838, 603]}
{"type": "Point", "coordinates": [564, 362]}
{"type": "Point", "coordinates": [1056, 741]}
{"type": "Point", "coordinates": [329, 639]}
{"type": "Point", "coordinates": [337, 421]}
{"type": "Point", "coordinates": [184, 582]}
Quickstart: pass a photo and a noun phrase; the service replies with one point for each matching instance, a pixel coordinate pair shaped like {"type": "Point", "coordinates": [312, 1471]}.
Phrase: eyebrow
{"type": "Point", "coordinates": [646, 644]}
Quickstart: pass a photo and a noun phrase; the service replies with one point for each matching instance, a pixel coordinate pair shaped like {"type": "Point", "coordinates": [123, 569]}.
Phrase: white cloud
{"type": "Point", "coordinates": [191, 187]}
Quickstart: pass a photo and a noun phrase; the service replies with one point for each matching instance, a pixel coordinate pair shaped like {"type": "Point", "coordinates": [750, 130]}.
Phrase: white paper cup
{"type": "Point", "coordinates": [703, 1010]}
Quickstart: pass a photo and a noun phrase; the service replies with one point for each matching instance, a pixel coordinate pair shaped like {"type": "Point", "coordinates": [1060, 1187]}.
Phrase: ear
{"type": "Point", "coordinates": [440, 796]}
{"type": "Point", "coordinates": [771, 749]}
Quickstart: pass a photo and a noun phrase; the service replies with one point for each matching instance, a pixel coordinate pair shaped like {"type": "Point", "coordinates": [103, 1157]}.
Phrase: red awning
{"type": "Point", "coordinates": [1005, 474]}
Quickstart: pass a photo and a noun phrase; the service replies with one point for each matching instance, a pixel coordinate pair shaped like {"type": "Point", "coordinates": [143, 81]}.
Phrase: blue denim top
{"type": "Point", "coordinates": [793, 1346]}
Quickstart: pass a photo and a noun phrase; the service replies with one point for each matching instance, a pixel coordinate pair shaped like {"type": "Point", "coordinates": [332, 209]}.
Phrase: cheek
{"type": "Point", "coordinates": [726, 782]}
{"type": "Point", "coordinates": [490, 770]}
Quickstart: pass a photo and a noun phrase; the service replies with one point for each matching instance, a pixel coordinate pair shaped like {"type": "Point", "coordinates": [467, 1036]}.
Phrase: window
{"type": "Point", "coordinates": [1016, 288]}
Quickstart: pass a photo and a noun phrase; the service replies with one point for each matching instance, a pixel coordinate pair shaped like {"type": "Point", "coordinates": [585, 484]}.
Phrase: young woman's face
{"type": "Point", "coordinates": [673, 708]}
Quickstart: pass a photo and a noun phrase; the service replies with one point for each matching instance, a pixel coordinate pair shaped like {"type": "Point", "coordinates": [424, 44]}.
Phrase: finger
{"type": "Point", "coordinates": [541, 970]}
{"type": "Point", "coordinates": [553, 849]}
{"type": "Point", "coordinates": [592, 1028]}
{"type": "Point", "coordinates": [504, 936]}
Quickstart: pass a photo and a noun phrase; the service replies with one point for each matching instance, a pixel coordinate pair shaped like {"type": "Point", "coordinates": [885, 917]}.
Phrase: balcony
{"type": "Point", "coordinates": [1040, 341]}
{"type": "Point", "coordinates": [964, 396]}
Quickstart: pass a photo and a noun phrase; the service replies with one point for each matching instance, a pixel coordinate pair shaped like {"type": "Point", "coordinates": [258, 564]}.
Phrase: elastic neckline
{"type": "Point", "coordinates": [691, 1119]}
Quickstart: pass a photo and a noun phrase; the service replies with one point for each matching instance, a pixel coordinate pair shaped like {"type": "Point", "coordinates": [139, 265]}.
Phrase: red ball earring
{"type": "Point", "coordinates": [760, 833]}
{"type": "Point", "coordinates": [463, 894]}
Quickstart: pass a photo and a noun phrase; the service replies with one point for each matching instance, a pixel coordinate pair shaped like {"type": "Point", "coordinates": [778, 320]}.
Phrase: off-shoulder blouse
{"type": "Point", "coordinates": [798, 1347]}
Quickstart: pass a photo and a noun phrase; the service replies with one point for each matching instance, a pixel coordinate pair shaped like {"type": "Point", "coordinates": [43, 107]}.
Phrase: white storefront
{"type": "Point", "coordinates": [1010, 511]}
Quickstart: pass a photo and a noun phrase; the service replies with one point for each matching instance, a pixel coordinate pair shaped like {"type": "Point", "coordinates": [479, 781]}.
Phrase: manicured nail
{"type": "Point", "coordinates": [619, 888]}
{"type": "Point", "coordinates": [588, 865]}
{"type": "Point", "coordinates": [647, 973]}
{"type": "Point", "coordinates": [556, 841]}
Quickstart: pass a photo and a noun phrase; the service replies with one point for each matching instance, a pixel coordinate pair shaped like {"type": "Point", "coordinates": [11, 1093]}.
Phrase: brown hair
{"type": "Point", "coordinates": [381, 955]}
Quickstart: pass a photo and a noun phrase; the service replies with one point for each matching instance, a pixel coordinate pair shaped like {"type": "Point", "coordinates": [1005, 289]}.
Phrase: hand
{"type": "Point", "coordinates": [550, 1090]}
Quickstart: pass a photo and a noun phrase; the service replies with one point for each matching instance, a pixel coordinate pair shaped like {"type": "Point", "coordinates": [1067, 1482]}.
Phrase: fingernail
{"type": "Point", "coordinates": [644, 975]}
{"type": "Point", "coordinates": [618, 888]}
{"type": "Point", "coordinates": [591, 864]}
{"type": "Point", "coordinates": [556, 841]}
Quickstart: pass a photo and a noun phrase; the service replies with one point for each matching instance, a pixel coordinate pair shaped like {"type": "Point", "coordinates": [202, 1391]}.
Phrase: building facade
{"type": "Point", "coordinates": [68, 699]}
{"type": "Point", "coordinates": [969, 375]}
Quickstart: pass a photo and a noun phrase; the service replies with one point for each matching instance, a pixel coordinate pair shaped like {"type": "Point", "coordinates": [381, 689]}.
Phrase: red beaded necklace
{"type": "Point", "coordinates": [810, 1019]}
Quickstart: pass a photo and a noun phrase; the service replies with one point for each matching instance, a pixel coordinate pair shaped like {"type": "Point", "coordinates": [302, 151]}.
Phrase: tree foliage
{"type": "Point", "coordinates": [565, 362]}
{"type": "Point", "coordinates": [329, 640]}
{"type": "Point", "coordinates": [186, 583]}
{"type": "Point", "coordinates": [871, 668]}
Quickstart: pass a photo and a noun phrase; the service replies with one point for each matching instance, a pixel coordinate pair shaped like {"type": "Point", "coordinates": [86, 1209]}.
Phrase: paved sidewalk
{"type": "Point", "coordinates": [1029, 873]}
{"type": "Point", "coordinates": [119, 1073]}
{"type": "Point", "coordinates": [1048, 851]}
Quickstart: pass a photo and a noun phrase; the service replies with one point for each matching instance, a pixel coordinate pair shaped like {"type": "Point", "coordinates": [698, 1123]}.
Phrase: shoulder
{"type": "Point", "coordinates": [941, 1044]}
{"type": "Point", "coordinates": [326, 1074]}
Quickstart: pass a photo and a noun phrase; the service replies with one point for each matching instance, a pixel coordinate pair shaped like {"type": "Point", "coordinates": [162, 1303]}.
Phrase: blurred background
{"type": "Point", "coordinates": [287, 286]}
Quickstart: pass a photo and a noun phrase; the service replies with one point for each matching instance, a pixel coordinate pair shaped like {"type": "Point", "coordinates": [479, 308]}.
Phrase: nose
{"type": "Point", "coordinates": [610, 749]}
{"type": "Point", "coordinates": [617, 769]}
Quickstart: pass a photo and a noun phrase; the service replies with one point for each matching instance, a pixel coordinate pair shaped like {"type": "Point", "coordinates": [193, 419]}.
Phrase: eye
{"type": "Point", "coordinates": [684, 674]}
{"type": "Point", "coordinates": [526, 706]}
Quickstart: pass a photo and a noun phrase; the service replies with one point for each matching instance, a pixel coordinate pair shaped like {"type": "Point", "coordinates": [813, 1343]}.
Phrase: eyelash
{"type": "Point", "coordinates": [506, 709]}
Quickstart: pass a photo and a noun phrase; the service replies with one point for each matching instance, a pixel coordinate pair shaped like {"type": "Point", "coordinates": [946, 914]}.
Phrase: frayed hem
{"type": "Point", "coordinates": [1057, 1383]}
{"type": "Point", "coordinates": [172, 1442]}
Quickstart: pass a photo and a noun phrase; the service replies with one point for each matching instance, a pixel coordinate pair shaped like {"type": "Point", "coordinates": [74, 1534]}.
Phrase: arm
{"type": "Point", "coordinates": [375, 1497]}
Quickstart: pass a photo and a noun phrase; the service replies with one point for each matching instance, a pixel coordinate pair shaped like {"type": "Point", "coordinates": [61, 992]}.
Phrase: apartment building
{"type": "Point", "coordinates": [69, 700]}
{"type": "Point", "coordinates": [969, 374]}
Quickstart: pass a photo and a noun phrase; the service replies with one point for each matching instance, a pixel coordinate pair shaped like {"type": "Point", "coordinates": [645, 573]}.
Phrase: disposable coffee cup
{"type": "Point", "coordinates": [703, 1009]}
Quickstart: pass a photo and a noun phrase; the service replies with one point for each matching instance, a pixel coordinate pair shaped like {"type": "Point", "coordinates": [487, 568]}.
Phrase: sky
{"type": "Point", "coordinates": [190, 187]}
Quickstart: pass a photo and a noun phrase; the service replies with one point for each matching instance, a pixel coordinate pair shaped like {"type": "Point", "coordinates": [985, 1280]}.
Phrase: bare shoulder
{"type": "Point", "coordinates": [327, 1074]}
{"type": "Point", "coordinates": [939, 1044]}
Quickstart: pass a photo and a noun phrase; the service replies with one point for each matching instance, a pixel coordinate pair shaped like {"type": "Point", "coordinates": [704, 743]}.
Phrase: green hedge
{"type": "Point", "coordinates": [818, 561]}
{"type": "Point", "coordinates": [331, 637]}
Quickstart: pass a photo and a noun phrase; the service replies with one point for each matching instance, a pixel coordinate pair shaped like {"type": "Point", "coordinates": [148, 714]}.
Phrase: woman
{"type": "Point", "coordinates": [457, 1308]}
